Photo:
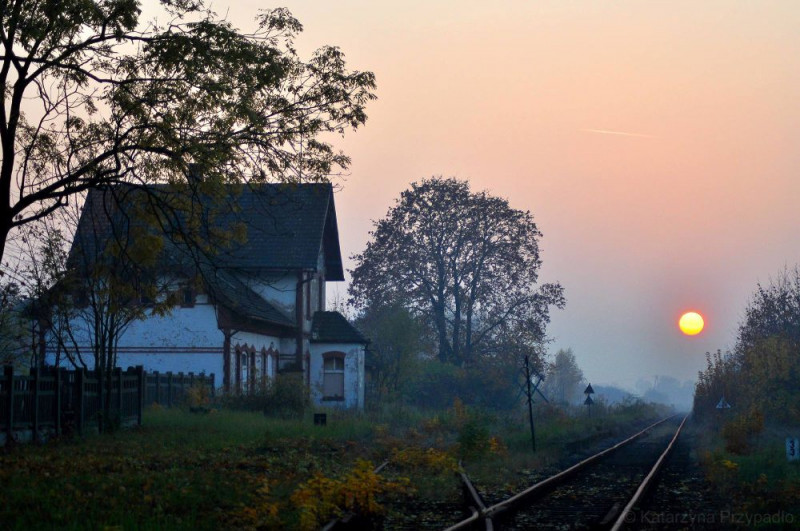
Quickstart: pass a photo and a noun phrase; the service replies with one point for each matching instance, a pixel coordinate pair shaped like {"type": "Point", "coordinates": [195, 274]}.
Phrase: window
{"type": "Point", "coordinates": [245, 372]}
{"type": "Point", "coordinates": [308, 300]}
{"type": "Point", "coordinates": [187, 296]}
{"type": "Point", "coordinates": [333, 377]}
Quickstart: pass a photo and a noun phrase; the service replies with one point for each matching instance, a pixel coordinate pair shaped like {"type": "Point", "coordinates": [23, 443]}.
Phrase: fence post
{"type": "Point", "coordinates": [169, 389]}
{"type": "Point", "coordinates": [58, 381]}
{"type": "Point", "coordinates": [142, 390]}
{"type": "Point", "coordinates": [8, 373]}
{"type": "Point", "coordinates": [118, 372]}
{"type": "Point", "coordinates": [213, 387]}
{"type": "Point", "coordinates": [158, 387]}
{"type": "Point", "coordinates": [35, 412]}
{"type": "Point", "coordinates": [80, 376]}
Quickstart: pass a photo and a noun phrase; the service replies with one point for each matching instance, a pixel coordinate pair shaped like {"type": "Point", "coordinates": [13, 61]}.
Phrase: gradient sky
{"type": "Point", "coordinates": [689, 210]}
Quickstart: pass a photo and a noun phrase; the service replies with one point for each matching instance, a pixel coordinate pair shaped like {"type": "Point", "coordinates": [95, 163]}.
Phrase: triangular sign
{"type": "Point", "coordinates": [723, 404]}
{"type": "Point", "coordinates": [589, 390]}
{"type": "Point", "coordinates": [588, 401]}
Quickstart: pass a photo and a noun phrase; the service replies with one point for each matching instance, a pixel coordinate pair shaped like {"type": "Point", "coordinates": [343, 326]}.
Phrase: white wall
{"type": "Point", "coordinates": [186, 340]}
{"type": "Point", "coordinates": [353, 373]}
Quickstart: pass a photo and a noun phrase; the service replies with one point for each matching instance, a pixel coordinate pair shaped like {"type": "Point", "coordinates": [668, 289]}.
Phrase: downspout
{"type": "Point", "coordinates": [300, 316]}
{"type": "Point", "coordinates": [226, 360]}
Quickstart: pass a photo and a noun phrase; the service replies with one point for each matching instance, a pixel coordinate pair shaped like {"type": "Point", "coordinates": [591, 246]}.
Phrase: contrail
{"type": "Point", "coordinates": [620, 133]}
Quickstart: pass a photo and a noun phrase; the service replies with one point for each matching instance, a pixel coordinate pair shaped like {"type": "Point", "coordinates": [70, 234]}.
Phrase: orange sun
{"type": "Point", "coordinates": [691, 323]}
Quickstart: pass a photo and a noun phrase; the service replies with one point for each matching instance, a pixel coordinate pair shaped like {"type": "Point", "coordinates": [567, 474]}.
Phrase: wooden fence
{"type": "Point", "coordinates": [58, 401]}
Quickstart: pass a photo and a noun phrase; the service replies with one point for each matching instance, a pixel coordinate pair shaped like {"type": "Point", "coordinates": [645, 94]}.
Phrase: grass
{"type": "Point", "coordinates": [230, 469]}
{"type": "Point", "coordinates": [761, 480]}
{"type": "Point", "coordinates": [178, 471]}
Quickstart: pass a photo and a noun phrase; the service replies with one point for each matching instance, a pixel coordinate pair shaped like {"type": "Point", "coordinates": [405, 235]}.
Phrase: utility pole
{"type": "Point", "coordinates": [529, 394]}
{"type": "Point", "coordinates": [530, 391]}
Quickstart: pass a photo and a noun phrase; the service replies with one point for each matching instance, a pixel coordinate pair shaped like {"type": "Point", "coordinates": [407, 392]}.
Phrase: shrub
{"type": "Point", "coordinates": [414, 458]}
{"type": "Point", "coordinates": [484, 385]}
{"type": "Point", "coordinates": [321, 498]}
{"type": "Point", "coordinates": [284, 396]}
{"type": "Point", "coordinates": [739, 433]}
{"type": "Point", "coordinates": [473, 439]}
{"type": "Point", "coordinates": [197, 397]}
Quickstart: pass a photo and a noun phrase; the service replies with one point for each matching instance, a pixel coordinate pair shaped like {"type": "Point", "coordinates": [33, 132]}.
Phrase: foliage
{"type": "Point", "coordinates": [473, 439]}
{"type": "Point", "coordinates": [482, 384]}
{"type": "Point", "coordinates": [416, 458]}
{"type": "Point", "coordinates": [15, 338]}
{"type": "Point", "coordinates": [283, 396]}
{"type": "Point", "coordinates": [739, 433]}
{"type": "Point", "coordinates": [773, 311]}
{"type": "Point", "coordinates": [467, 263]}
{"type": "Point", "coordinates": [320, 498]}
{"type": "Point", "coordinates": [760, 481]}
{"type": "Point", "coordinates": [563, 383]}
{"type": "Point", "coordinates": [198, 396]}
{"type": "Point", "coordinates": [763, 369]}
{"type": "Point", "coordinates": [394, 349]}
{"type": "Point", "coordinates": [110, 97]}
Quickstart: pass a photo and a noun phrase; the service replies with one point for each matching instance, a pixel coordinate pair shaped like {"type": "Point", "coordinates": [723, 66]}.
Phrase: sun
{"type": "Point", "coordinates": [691, 323]}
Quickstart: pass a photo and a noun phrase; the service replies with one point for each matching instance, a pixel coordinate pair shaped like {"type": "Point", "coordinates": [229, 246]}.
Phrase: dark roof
{"type": "Point", "coordinates": [286, 224]}
{"type": "Point", "coordinates": [236, 296]}
{"type": "Point", "coordinates": [333, 327]}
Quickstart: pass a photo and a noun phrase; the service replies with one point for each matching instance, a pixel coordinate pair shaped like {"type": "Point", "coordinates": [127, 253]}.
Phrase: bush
{"type": "Point", "coordinates": [321, 498]}
{"type": "Point", "coordinates": [284, 396]}
{"type": "Point", "coordinates": [484, 385]}
{"type": "Point", "coordinates": [473, 439]}
{"type": "Point", "coordinates": [198, 397]}
{"type": "Point", "coordinates": [739, 434]}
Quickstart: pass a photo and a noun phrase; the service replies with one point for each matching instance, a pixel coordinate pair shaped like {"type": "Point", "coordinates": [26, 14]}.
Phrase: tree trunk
{"type": "Point", "coordinates": [5, 228]}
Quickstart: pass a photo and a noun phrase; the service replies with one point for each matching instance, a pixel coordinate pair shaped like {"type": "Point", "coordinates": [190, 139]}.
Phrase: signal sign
{"type": "Point", "coordinates": [792, 449]}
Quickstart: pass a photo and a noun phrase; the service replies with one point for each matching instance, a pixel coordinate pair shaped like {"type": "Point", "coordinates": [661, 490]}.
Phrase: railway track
{"type": "Point", "coordinates": [598, 493]}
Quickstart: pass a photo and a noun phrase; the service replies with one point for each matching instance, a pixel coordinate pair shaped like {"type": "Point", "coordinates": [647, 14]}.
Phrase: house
{"type": "Point", "coordinates": [245, 310]}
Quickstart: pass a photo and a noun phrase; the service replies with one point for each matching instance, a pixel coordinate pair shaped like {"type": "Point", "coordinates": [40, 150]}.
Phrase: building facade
{"type": "Point", "coordinates": [253, 309]}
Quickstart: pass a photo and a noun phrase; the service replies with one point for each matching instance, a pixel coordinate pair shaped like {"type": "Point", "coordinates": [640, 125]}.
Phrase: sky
{"type": "Point", "coordinates": [654, 143]}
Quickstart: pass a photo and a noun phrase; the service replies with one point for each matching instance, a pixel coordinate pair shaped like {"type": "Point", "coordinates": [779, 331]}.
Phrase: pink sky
{"type": "Point", "coordinates": [689, 212]}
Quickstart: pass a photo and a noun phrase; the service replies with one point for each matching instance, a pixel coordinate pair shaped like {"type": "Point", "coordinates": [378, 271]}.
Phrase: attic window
{"type": "Point", "coordinates": [187, 295]}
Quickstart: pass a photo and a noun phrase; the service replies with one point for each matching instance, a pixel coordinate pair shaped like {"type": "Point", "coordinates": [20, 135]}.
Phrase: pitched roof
{"type": "Point", "coordinates": [286, 224]}
{"type": "Point", "coordinates": [333, 327]}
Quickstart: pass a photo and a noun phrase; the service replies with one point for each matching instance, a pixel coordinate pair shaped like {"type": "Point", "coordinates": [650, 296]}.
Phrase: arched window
{"type": "Point", "coordinates": [333, 376]}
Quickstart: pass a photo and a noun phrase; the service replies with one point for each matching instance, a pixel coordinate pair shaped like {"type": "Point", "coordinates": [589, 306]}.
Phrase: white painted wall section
{"type": "Point", "coordinates": [353, 374]}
